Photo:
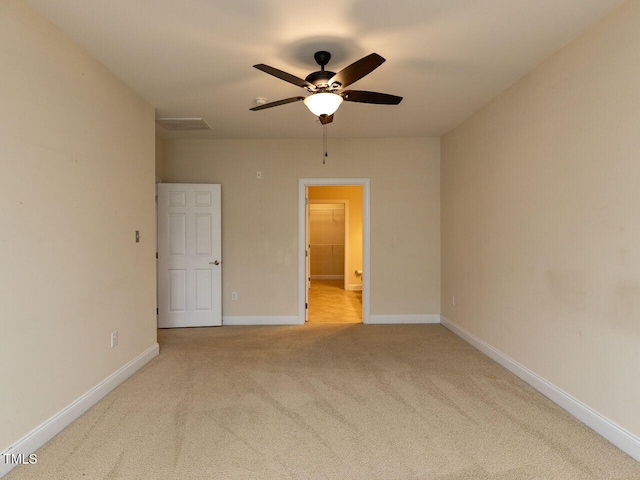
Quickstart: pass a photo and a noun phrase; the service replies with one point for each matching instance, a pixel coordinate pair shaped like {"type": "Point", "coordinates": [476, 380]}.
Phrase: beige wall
{"type": "Point", "coordinates": [260, 257]}
{"type": "Point", "coordinates": [161, 156]}
{"type": "Point", "coordinates": [354, 196]}
{"type": "Point", "coordinates": [77, 163]}
{"type": "Point", "coordinates": [541, 223]}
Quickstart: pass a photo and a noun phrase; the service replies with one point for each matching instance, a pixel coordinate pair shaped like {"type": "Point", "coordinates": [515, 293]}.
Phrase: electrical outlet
{"type": "Point", "coordinates": [259, 175]}
{"type": "Point", "coordinates": [234, 295]}
{"type": "Point", "coordinates": [114, 339]}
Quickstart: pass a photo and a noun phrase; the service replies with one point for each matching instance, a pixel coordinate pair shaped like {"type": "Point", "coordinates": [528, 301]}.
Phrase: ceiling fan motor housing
{"type": "Point", "coordinates": [321, 78]}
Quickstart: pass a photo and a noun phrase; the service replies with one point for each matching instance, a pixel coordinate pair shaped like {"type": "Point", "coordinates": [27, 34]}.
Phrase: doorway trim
{"type": "Point", "coordinates": [303, 183]}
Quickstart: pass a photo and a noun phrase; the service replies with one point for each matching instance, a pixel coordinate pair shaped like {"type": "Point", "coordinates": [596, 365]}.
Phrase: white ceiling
{"type": "Point", "coordinates": [193, 58]}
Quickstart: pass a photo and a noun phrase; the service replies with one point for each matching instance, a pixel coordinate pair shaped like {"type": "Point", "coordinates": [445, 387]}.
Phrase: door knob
{"type": "Point", "coordinates": [214, 263]}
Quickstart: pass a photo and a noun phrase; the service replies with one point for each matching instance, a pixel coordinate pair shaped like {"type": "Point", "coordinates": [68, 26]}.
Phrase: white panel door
{"type": "Point", "coordinates": [189, 255]}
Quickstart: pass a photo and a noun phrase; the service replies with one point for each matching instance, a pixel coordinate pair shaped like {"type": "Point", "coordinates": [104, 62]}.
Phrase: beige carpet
{"type": "Point", "coordinates": [325, 402]}
{"type": "Point", "coordinates": [329, 302]}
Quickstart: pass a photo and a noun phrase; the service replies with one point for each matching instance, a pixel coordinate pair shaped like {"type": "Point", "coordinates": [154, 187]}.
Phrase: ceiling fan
{"type": "Point", "coordinates": [326, 88]}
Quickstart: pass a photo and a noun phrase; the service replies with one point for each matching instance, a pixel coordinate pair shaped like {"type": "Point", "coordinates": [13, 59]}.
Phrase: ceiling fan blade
{"type": "Point", "coordinates": [324, 119]}
{"type": "Point", "coordinates": [370, 97]}
{"type": "Point", "coordinates": [357, 70]}
{"type": "Point", "coordinates": [276, 103]}
{"type": "Point", "coordinates": [287, 77]}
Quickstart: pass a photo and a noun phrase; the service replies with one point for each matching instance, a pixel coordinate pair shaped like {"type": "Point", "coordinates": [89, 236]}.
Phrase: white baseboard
{"type": "Point", "coordinates": [354, 287]}
{"type": "Point", "coordinates": [386, 319]}
{"type": "Point", "coordinates": [54, 425]}
{"type": "Point", "coordinates": [258, 320]}
{"type": "Point", "coordinates": [327, 277]}
{"type": "Point", "coordinates": [621, 438]}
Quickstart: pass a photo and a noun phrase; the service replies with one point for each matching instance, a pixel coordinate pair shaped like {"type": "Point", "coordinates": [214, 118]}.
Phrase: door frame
{"type": "Point", "coordinates": [303, 183]}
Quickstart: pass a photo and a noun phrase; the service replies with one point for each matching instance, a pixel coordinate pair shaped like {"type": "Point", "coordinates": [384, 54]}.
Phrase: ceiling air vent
{"type": "Point", "coordinates": [182, 124]}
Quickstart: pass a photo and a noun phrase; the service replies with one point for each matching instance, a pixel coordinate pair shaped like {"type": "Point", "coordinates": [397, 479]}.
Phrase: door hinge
{"type": "Point", "coordinates": [157, 311]}
{"type": "Point", "coordinates": [156, 254]}
{"type": "Point", "coordinates": [306, 305]}
{"type": "Point", "coordinates": [306, 253]}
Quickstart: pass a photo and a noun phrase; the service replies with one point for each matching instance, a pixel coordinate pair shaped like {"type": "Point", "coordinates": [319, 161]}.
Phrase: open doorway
{"type": "Point", "coordinates": [335, 254]}
{"type": "Point", "coordinates": [334, 250]}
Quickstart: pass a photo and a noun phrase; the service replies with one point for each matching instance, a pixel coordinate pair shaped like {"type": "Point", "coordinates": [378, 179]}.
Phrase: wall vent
{"type": "Point", "coordinates": [182, 124]}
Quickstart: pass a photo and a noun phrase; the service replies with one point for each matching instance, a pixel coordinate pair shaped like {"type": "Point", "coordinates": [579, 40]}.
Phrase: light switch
{"type": "Point", "coordinates": [137, 236]}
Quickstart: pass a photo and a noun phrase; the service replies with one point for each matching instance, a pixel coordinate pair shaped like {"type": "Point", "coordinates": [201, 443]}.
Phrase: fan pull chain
{"type": "Point", "coordinates": [324, 144]}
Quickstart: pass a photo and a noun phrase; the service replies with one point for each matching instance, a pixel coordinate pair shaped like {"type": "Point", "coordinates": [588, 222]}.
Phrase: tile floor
{"type": "Point", "coordinates": [330, 303]}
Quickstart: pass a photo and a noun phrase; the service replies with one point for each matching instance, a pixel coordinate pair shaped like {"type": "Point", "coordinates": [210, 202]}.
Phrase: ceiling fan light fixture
{"type": "Point", "coordinates": [323, 103]}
